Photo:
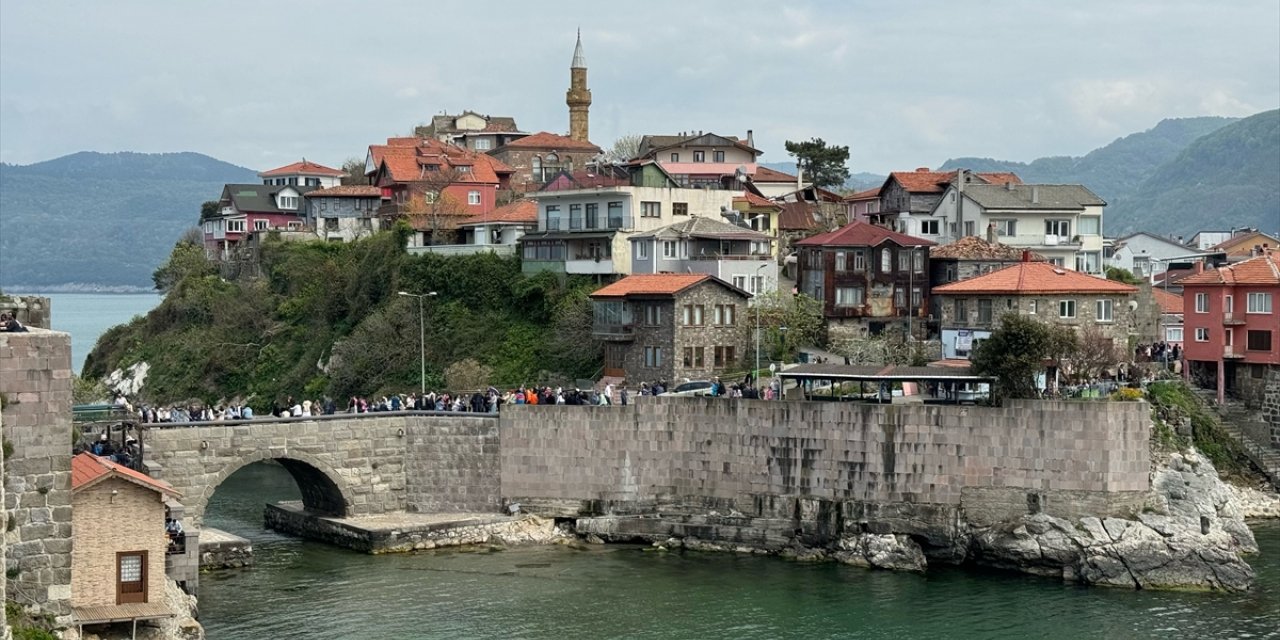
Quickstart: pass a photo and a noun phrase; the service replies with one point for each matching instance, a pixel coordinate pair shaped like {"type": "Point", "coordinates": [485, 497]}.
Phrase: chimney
{"type": "Point", "coordinates": [991, 233]}
{"type": "Point", "coordinates": [751, 139]}
{"type": "Point", "coordinates": [1035, 194]}
{"type": "Point", "coordinates": [1008, 186]}
{"type": "Point", "coordinates": [1199, 268]}
{"type": "Point", "coordinates": [960, 180]}
{"type": "Point", "coordinates": [1026, 255]}
{"type": "Point", "coordinates": [799, 177]}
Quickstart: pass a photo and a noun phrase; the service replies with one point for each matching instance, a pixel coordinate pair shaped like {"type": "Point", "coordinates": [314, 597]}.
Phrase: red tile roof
{"type": "Point", "coordinates": [756, 201]}
{"type": "Point", "coordinates": [88, 469]}
{"type": "Point", "coordinates": [765, 174]}
{"type": "Point", "coordinates": [1264, 269]}
{"type": "Point", "coordinates": [518, 212]}
{"type": "Point", "coordinates": [1244, 243]}
{"type": "Point", "coordinates": [863, 234]}
{"type": "Point", "coordinates": [1169, 302]}
{"type": "Point", "coordinates": [303, 167]}
{"type": "Point", "coordinates": [1035, 278]}
{"type": "Point", "coordinates": [866, 194]}
{"type": "Point", "coordinates": [406, 157]}
{"type": "Point", "coordinates": [346, 191]}
{"type": "Point", "coordinates": [546, 140]}
{"type": "Point", "coordinates": [651, 284]}
{"type": "Point", "coordinates": [925, 181]}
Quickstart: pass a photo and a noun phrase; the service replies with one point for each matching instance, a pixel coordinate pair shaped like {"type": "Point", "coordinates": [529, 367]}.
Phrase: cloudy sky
{"type": "Point", "coordinates": [903, 84]}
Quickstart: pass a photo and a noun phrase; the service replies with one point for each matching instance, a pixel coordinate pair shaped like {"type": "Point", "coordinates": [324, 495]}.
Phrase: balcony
{"type": "Point", "coordinates": [1232, 319]}
{"type": "Point", "coordinates": [1231, 353]}
{"type": "Point", "coordinates": [589, 266]}
{"type": "Point", "coordinates": [613, 332]}
{"type": "Point", "coordinates": [1051, 240]}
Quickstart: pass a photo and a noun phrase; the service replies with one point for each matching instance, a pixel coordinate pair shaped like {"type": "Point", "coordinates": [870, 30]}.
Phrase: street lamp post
{"type": "Point", "coordinates": [422, 337]}
{"type": "Point", "coordinates": [755, 373]}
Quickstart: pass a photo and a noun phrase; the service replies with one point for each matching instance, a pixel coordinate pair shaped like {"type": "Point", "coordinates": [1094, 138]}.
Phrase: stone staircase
{"type": "Point", "coordinates": [1233, 414]}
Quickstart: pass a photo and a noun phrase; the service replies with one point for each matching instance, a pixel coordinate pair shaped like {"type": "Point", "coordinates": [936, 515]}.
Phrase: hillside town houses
{"type": "Point", "coordinates": [683, 231]}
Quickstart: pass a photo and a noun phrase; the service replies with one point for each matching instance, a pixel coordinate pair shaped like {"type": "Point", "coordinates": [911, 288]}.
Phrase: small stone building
{"type": "Point", "coordinates": [670, 326]}
{"type": "Point", "coordinates": [119, 543]}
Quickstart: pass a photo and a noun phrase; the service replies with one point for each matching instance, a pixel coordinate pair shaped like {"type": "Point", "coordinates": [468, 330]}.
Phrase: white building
{"type": "Point", "coordinates": [1146, 254]}
{"type": "Point", "coordinates": [303, 174]}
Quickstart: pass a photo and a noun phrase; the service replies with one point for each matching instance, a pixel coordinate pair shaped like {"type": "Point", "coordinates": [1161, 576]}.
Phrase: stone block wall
{"type": "Point", "coordinates": [452, 464]}
{"type": "Point", "coordinates": [1271, 405]}
{"type": "Point", "coordinates": [35, 383]}
{"type": "Point", "coordinates": [748, 454]}
{"type": "Point", "coordinates": [31, 311]}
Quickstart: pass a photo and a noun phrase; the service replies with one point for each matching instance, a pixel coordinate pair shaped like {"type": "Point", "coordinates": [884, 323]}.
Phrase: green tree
{"type": "Point", "coordinates": [208, 209]}
{"type": "Point", "coordinates": [353, 171]}
{"type": "Point", "coordinates": [1120, 274]}
{"type": "Point", "coordinates": [1017, 351]}
{"type": "Point", "coordinates": [186, 260]}
{"type": "Point", "coordinates": [823, 165]}
{"type": "Point", "coordinates": [787, 322]}
{"type": "Point", "coordinates": [624, 148]}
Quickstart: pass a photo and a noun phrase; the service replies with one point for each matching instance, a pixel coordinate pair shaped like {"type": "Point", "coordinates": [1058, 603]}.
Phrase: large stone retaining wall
{"type": "Point", "coordinates": [759, 457]}
{"type": "Point", "coordinates": [35, 382]}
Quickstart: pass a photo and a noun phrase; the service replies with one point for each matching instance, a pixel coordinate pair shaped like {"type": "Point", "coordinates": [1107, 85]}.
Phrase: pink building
{"type": "Point", "coordinates": [1231, 324]}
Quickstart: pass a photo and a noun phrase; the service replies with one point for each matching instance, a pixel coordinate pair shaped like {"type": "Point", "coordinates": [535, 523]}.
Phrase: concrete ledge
{"type": "Point", "coordinates": [222, 550]}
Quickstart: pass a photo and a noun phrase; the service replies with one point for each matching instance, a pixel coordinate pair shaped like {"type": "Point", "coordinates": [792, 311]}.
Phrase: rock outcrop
{"type": "Point", "coordinates": [881, 551]}
{"type": "Point", "coordinates": [1190, 536]}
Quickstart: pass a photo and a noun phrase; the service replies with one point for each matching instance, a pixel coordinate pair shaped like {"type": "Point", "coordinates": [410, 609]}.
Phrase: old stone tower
{"type": "Point", "coordinates": [578, 97]}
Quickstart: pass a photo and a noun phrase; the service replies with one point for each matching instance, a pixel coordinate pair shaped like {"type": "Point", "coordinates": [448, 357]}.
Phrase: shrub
{"type": "Point", "coordinates": [1127, 394]}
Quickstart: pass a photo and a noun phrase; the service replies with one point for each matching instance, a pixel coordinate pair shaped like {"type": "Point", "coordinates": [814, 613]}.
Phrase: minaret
{"type": "Point", "coordinates": [578, 97]}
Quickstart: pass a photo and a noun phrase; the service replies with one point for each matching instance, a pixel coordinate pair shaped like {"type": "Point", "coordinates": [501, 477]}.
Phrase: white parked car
{"type": "Point", "coordinates": [691, 388]}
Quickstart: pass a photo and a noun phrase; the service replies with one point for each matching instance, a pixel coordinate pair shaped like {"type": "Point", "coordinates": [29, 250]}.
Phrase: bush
{"type": "Point", "coordinates": [1127, 394]}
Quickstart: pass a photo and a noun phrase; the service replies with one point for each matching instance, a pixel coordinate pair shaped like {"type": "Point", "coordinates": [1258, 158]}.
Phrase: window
{"type": "Point", "coordinates": [692, 315]}
{"type": "Point", "coordinates": [680, 208]}
{"type": "Point", "coordinates": [331, 224]}
{"type": "Point", "coordinates": [968, 228]}
{"type": "Point", "coordinates": [904, 260]}
{"type": "Point", "coordinates": [725, 356]}
{"type": "Point", "coordinates": [1060, 228]}
{"type": "Point", "coordinates": [1259, 303]}
{"type": "Point", "coordinates": [669, 249]}
{"type": "Point", "coordinates": [1202, 334]}
{"type": "Point", "coordinates": [1173, 334]}
{"type": "Point", "coordinates": [260, 225]}
{"type": "Point", "coordinates": [718, 156]}
{"type": "Point", "coordinates": [693, 357]}
{"type": "Point", "coordinates": [473, 197]}
{"type": "Point", "coordinates": [1066, 308]}
{"type": "Point", "coordinates": [1089, 262]}
{"type": "Point", "coordinates": [1202, 303]}
{"type": "Point", "coordinates": [294, 226]}
{"type": "Point", "coordinates": [761, 222]}
{"type": "Point", "coordinates": [917, 261]}
{"type": "Point", "coordinates": [1031, 306]}
{"type": "Point", "coordinates": [642, 250]}
{"type": "Point", "coordinates": [724, 314]}
{"type": "Point", "coordinates": [984, 311]}
{"type": "Point", "coordinates": [961, 311]}
{"type": "Point", "coordinates": [463, 168]}
{"type": "Point", "coordinates": [699, 156]}
{"type": "Point", "coordinates": [757, 284]}
{"type": "Point", "coordinates": [899, 297]}
{"type": "Point", "coordinates": [1090, 225]}
{"type": "Point", "coordinates": [482, 144]}
{"type": "Point", "coordinates": [740, 282]}
{"type": "Point", "coordinates": [840, 261]}
{"type": "Point", "coordinates": [675, 157]}
{"type": "Point", "coordinates": [615, 215]}
{"type": "Point", "coordinates": [1102, 311]}
{"type": "Point", "coordinates": [859, 261]}
{"type": "Point", "coordinates": [536, 168]}
{"type": "Point", "coordinates": [131, 577]}
{"type": "Point", "coordinates": [1228, 303]}
{"type": "Point", "coordinates": [653, 357]}
{"type": "Point", "coordinates": [917, 296]}
{"type": "Point", "coordinates": [575, 217]}
{"type": "Point", "coordinates": [289, 202]}
{"type": "Point", "coordinates": [886, 261]}
{"type": "Point", "coordinates": [553, 217]}
{"type": "Point", "coordinates": [1006, 227]}
{"type": "Point", "coordinates": [1258, 340]}
{"type": "Point", "coordinates": [1057, 262]}
{"type": "Point", "coordinates": [650, 209]}
{"type": "Point", "coordinates": [235, 226]}
{"type": "Point", "coordinates": [652, 315]}
{"type": "Point", "coordinates": [849, 296]}
{"type": "Point", "coordinates": [929, 227]}
{"type": "Point", "coordinates": [324, 204]}
{"type": "Point", "coordinates": [429, 196]}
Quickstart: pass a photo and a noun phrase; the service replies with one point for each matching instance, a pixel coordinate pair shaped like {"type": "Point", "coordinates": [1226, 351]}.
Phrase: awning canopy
{"type": "Point", "coordinates": [888, 373]}
{"type": "Point", "coordinates": [105, 614]}
{"type": "Point", "coordinates": [567, 235]}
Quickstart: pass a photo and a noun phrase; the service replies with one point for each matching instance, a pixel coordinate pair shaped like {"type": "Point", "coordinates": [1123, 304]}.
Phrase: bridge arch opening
{"type": "Point", "coordinates": [322, 491]}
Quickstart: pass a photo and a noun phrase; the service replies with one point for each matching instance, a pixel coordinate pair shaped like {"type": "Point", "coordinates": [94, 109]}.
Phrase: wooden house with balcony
{"type": "Point", "coordinates": [868, 278]}
{"type": "Point", "coordinates": [733, 253]}
{"type": "Point", "coordinates": [670, 326]}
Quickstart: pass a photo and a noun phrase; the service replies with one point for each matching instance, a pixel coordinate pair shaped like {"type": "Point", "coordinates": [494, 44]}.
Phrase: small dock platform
{"type": "Point", "coordinates": [222, 550]}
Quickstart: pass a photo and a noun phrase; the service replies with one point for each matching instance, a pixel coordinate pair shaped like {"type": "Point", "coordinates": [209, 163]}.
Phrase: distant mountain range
{"type": "Point", "coordinates": [1182, 176]}
{"type": "Point", "coordinates": [101, 219]}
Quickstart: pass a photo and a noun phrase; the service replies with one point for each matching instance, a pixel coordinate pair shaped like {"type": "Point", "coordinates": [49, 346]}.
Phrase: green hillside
{"type": "Point", "coordinates": [105, 219]}
{"type": "Point", "coordinates": [1228, 178]}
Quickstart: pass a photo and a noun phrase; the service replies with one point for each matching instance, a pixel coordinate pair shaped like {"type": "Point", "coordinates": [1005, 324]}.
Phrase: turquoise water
{"type": "Point", "coordinates": [86, 316]}
{"type": "Point", "coordinates": [306, 590]}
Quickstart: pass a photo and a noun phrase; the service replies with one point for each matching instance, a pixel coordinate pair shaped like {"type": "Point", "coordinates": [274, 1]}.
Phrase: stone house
{"type": "Point", "coordinates": [971, 309]}
{"type": "Point", "coordinates": [342, 213]}
{"type": "Point", "coordinates": [119, 542]}
{"type": "Point", "coordinates": [670, 326]}
{"type": "Point", "coordinates": [867, 277]}
{"type": "Point", "coordinates": [537, 158]}
{"type": "Point", "coordinates": [729, 252]}
{"type": "Point", "coordinates": [969, 257]}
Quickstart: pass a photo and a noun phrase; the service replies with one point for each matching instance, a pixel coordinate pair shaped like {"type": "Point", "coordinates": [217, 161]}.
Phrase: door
{"type": "Point", "coordinates": [131, 576]}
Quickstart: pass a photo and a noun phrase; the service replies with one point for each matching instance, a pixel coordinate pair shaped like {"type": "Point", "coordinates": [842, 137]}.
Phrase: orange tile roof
{"type": "Point", "coordinates": [651, 284]}
{"type": "Point", "coordinates": [863, 234]}
{"type": "Point", "coordinates": [925, 181]}
{"type": "Point", "coordinates": [756, 201]}
{"type": "Point", "coordinates": [1244, 243]}
{"type": "Point", "coordinates": [405, 161]}
{"type": "Point", "coordinates": [1034, 278]}
{"type": "Point", "coordinates": [87, 469]}
{"type": "Point", "coordinates": [346, 191]}
{"type": "Point", "coordinates": [547, 140]}
{"type": "Point", "coordinates": [1169, 302]}
{"type": "Point", "coordinates": [765, 174]}
{"type": "Point", "coordinates": [303, 167]}
{"type": "Point", "coordinates": [1264, 269]}
{"type": "Point", "coordinates": [518, 212]}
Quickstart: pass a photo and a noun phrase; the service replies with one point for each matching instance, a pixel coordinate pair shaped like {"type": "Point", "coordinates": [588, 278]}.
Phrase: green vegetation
{"type": "Point", "coordinates": [786, 323]}
{"type": "Point", "coordinates": [823, 164]}
{"type": "Point", "coordinates": [1172, 401]}
{"type": "Point", "coordinates": [1120, 274]}
{"type": "Point", "coordinates": [1017, 351]}
{"type": "Point", "coordinates": [326, 319]}
{"type": "Point", "coordinates": [26, 626]}
{"type": "Point", "coordinates": [104, 218]}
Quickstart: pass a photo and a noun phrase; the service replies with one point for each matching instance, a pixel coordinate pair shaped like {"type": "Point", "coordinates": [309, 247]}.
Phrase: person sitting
{"type": "Point", "coordinates": [9, 323]}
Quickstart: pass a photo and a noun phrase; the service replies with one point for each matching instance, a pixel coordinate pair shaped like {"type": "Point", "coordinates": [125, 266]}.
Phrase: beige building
{"type": "Point", "coordinates": [118, 543]}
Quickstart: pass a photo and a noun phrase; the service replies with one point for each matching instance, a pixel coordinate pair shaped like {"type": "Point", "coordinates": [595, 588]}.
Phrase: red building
{"type": "Point", "coordinates": [1232, 330]}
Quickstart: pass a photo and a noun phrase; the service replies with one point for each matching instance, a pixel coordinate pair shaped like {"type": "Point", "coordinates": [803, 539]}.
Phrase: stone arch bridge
{"type": "Point", "coordinates": [344, 465]}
